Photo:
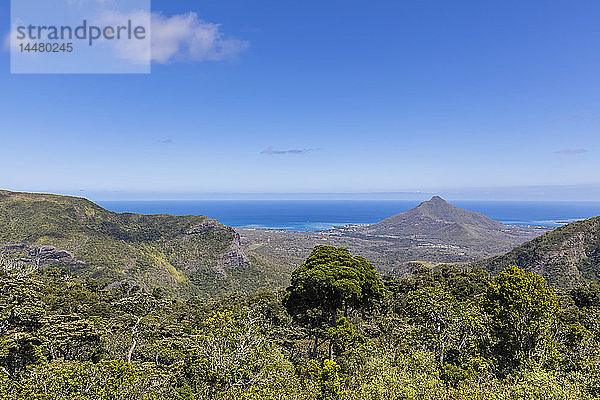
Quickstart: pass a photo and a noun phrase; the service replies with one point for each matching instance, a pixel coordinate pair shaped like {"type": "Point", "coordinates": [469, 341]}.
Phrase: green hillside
{"type": "Point", "coordinates": [564, 257]}
{"type": "Point", "coordinates": [185, 255]}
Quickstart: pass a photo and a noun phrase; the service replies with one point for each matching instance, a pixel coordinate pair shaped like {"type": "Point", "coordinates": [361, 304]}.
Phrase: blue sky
{"type": "Point", "coordinates": [326, 96]}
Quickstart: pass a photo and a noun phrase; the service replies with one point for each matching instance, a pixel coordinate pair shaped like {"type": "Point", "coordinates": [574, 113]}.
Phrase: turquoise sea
{"type": "Point", "coordinates": [306, 215]}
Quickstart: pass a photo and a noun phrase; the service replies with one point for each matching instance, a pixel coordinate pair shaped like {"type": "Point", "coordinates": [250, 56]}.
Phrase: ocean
{"type": "Point", "coordinates": [308, 215]}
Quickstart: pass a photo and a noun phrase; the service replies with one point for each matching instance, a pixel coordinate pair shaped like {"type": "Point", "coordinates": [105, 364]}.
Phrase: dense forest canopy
{"type": "Point", "coordinates": [339, 331]}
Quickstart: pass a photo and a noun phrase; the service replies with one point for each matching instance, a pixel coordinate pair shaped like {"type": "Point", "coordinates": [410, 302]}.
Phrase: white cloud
{"type": "Point", "coordinates": [135, 51]}
{"type": "Point", "coordinates": [183, 37]}
{"type": "Point", "coordinates": [187, 38]}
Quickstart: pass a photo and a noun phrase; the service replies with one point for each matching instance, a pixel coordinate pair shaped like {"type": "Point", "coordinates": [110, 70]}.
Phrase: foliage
{"type": "Point", "coordinates": [520, 306]}
{"type": "Point", "coordinates": [331, 280]}
{"type": "Point", "coordinates": [442, 333]}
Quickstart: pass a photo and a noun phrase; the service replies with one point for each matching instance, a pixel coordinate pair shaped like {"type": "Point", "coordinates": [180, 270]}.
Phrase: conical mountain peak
{"type": "Point", "coordinates": [431, 218]}
{"type": "Point", "coordinates": [436, 201]}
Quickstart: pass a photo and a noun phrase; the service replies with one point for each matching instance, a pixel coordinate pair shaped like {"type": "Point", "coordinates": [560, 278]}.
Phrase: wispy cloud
{"type": "Point", "coordinates": [571, 151]}
{"type": "Point", "coordinates": [177, 38]}
{"type": "Point", "coordinates": [165, 141]}
{"type": "Point", "coordinates": [271, 151]}
{"type": "Point", "coordinates": [188, 38]}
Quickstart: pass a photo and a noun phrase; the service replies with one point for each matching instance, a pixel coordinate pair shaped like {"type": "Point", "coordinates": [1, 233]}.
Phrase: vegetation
{"type": "Point", "coordinates": [338, 332]}
{"type": "Point", "coordinates": [566, 256]}
{"type": "Point", "coordinates": [184, 255]}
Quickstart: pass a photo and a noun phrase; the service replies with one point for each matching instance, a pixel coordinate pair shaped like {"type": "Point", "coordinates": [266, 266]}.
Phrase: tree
{"type": "Point", "coordinates": [433, 313]}
{"type": "Point", "coordinates": [21, 314]}
{"type": "Point", "coordinates": [520, 307]}
{"type": "Point", "coordinates": [229, 352]}
{"type": "Point", "coordinates": [329, 282]}
{"type": "Point", "coordinates": [137, 308]}
{"type": "Point", "coordinates": [586, 295]}
{"type": "Point", "coordinates": [329, 380]}
{"type": "Point", "coordinates": [71, 337]}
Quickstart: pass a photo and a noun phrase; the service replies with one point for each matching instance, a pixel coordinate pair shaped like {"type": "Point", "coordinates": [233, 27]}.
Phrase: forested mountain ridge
{"type": "Point", "coordinates": [184, 255]}
{"type": "Point", "coordinates": [565, 257]}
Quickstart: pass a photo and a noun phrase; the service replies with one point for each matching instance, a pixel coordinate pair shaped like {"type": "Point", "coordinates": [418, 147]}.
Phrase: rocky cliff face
{"type": "Point", "coordinates": [231, 258]}
{"type": "Point", "coordinates": [205, 226]}
{"type": "Point", "coordinates": [234, 257]}
{"type": "Point", "coordinates": [40, 255]}
{"type": "Point", "coordinates": [25, 259]}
